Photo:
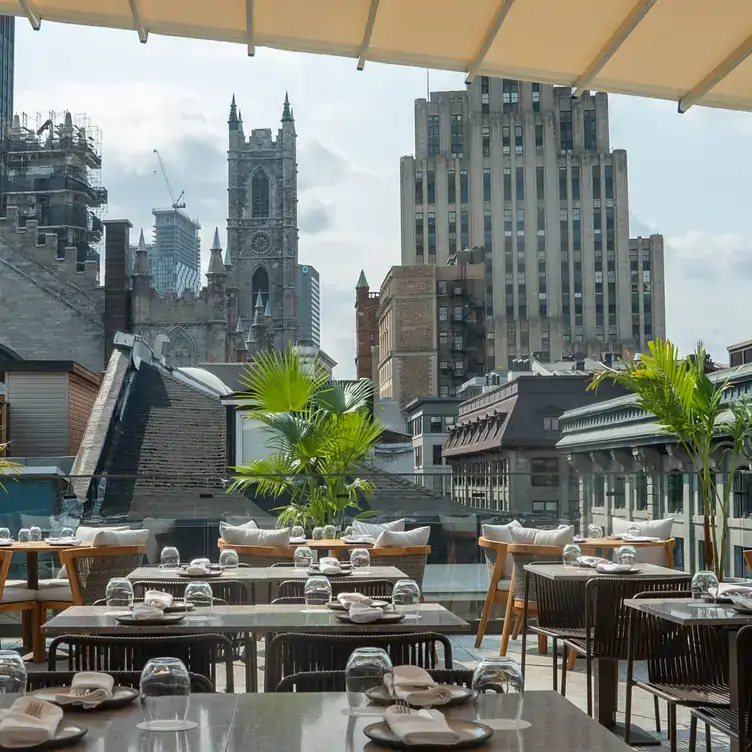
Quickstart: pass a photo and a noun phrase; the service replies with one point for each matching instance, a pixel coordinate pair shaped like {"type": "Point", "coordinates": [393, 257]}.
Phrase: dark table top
{"type": "Point", "coordinates": [258, 619]}
{"type": "Point", "coordinates": [690, 613]}
{"type": "Point", "coordinates": [262, 574]}
{"type": "Point", "coordinates": [315, 723]}
{"type": "Point", "coordinates": [575, 574]}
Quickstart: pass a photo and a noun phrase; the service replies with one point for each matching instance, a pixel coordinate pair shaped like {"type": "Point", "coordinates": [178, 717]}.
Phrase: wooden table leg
{"type": "Point", "coordinates": [31, 623]}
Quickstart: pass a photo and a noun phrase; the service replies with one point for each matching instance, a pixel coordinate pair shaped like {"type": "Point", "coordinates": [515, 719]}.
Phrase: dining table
{"type": "Point", "coordinates": [251, 622]}
{"type": "Point", "coordinates": [320, 722]}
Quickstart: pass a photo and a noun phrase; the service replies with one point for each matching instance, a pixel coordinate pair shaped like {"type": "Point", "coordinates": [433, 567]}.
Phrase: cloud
{"type": "Point", "coordinates": [318, 165]}
{"type": "Point", "coordinates": [314, 216]}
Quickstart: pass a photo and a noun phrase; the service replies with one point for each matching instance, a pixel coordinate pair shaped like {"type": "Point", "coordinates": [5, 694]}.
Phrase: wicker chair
{"type": "Point", "coordinates": [45, 679]}
{"type": "Point", "coordinates": [735, 723]}
{"type": "Point", "coordinates": [498, 587]}
{"type": "Point", "coordinates": [687, 666]}
{"type": "Point", "coordinates": [607, 622]}
{"type": "Point", "coordinates": [410, 559]}
{"type": "Point", "coordinates": [259, 556]}
{"type": "Point", "coordinates": [379, 589]}
{"type": "Point", "coordinates": [232, 592]}
{"type": "Point", "coordinates": [334, 681]}
{"type": "Point", "coordinates": [19, 599]}
{"type": "Point", "coordinates": [293, 653]}
{"type": "Point", "coordinates": [201, 653]}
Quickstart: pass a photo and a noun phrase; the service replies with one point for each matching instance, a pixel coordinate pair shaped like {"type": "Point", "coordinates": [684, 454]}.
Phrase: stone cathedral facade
{"type": "Point", "coordinates": [53, 310]}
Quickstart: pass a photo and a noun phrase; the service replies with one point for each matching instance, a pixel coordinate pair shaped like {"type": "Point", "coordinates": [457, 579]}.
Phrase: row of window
{"type": "Point", "coordinates": [436, 457]}
{"type": "Point", "coordinates": [432, 424]}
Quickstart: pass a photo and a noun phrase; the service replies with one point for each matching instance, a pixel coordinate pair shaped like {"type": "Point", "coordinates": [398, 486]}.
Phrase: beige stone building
{"type": "Point", "coordinates": [431, 333]}
{"type": "Point", "coordinates": [528, 173]}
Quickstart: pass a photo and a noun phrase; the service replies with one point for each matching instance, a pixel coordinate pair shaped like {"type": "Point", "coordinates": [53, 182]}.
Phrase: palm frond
{"type": "Point", "coordinates": [8, 468]}
{"type": "Point", "coordinates": [340, 397]}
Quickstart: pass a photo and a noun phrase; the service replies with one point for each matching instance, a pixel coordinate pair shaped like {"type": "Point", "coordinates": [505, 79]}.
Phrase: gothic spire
{"type": "Point", "coordinates": [233, 120]}
{"type": "Point", "coordinates": [286, 113]}
{"type": "Point", "coordinates": [216, 265]}
{"type": "Point", "coordinates": [141, 264]}
{"type": "Point", "coordinates": [215, 243]}
{"type": "Point", "coordinates": [141, 241]}
{"type": "Point", "coordinates": [362, 281]}
{"type": "Point", "coordinates": [268, 310]}
{"type": "Point", "coordinates": [259, 302]}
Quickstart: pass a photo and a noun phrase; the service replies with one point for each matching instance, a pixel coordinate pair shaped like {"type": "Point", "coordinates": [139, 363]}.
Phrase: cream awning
{"type": "Point", "coordinates": [689, 51]}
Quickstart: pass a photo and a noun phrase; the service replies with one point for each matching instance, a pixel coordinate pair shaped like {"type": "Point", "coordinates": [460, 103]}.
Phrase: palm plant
{"type": "Point", "coordinates": [7, 467]}
{"type": "Point", "coordinates": [318, 430]}
{"type": "Point", "coordinates": [693, 409]}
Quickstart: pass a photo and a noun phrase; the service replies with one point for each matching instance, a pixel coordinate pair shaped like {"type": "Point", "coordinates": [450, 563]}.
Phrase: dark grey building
{"type": "Point", "coordinates": [7, 43]}
{"type": "Point", "coordinates": [308, 285]}
{"type": "Point", "coordinates": [175, 256]}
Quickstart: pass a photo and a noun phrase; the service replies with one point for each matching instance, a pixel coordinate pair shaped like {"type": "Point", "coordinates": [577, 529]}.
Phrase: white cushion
{"type": "Point", "coordinates": [653, 528]}
{"type": "Point", "coordinates": [373, 529]}
{"type": "Point", "coordinates": [61, 593]}
{"type": "Point", "coordinates": [18, 595]}
{"type": "Point", "coordinates": [243, 536]}
{"type": "Point", "coordinates": [504, 585]}
{"type": "Point", "coordinates": [524, 535]}
{"type": "Point", "coordinates": [120, 538]}
{"type": "Point", "coordinates": [250, 525]}
{"type": "Point", "coordinates": [502, 534]}
{"type": "Point", "coordinates": [560, 537]}
{"type": "Point", "coordinates": [86, 534]}
{"type": "Point", "coordinates": [398, 539]}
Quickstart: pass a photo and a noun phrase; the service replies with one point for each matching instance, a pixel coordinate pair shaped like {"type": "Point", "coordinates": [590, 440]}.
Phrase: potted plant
{"type": "Point", "coordinates": [714, 432]}
{"type": "Point", "coordinates": [318, 431]}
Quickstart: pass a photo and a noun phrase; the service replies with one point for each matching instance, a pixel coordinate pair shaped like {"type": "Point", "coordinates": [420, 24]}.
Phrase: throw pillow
{"type": "Point", "coordinates": [250, 525]}
{"type": "Point", "coordinates": [240, 536]}
{"type": "Point", "coordinates": [397, 539]}
{"type": "Point", "coordinates": [373, 529]}
{"type": "Point", "coordinates": [120, 538]}
{"type": "Point", "coordinates": [559, 537]}
{"type": "Point", "coordinates": [86, 534]}
{"type": "Point", "coordinates": [653, 528]}
{"type": "Point", "coordinates": [503, 534]}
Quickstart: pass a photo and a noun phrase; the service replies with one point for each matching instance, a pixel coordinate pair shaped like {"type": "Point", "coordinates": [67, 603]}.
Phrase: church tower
{"type": "Point", "coordinates": [262, 226]}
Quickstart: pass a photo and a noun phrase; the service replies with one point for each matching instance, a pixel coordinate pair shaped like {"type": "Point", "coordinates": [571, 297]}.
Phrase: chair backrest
{"type": "Point", "coordinates": [293, 653]}
{"type": "Point", "coordinates": [495, 553]}
{"type": "Point", "coordinates": [607, 618]}
{"type": "Point", "coordinates": [410, 559]}
{"type": "Point", "coordinates": [527, 553]}
{"type": "Point", "coordinates": [90, 569]}
{"type": "Point", "coordinates": [381, 589]}
{"type": "Point", "coordinates": [259, 556]}
{"type": "Point", "coordinates": [290, 600]}
{"type": "Point", "coordinates": [743, 681]}
{"type": "Point", "coordinates": [5, 558]}
{"type": "Point", "coordinates": [232, 592]}
{"type": "Point", "coordinates": [201, 653]}
{"type": "Point", "coordinates": [47, 679]}
{"type": "Point", "coordinates": [334, 681]}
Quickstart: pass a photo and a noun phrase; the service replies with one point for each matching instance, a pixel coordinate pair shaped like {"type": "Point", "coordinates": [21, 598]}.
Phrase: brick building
{"type": "Point", "coordinates": [366, 327]}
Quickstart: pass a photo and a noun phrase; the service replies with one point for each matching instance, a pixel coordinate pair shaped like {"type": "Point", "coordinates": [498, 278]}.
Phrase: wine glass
{"type": "Point", "coordinates": [119, 593]}
{"type": "Point", "coordinates": [501, 675]}
{"type": "Point", "coordinates": [35, 533]}
{"type": "Point", "coordinates": [303, 557]}
{"type": "Point", "coordinates": [570, 555]}
{"type": "Point", "coordinates": [329, 532]}
{"type": "Point", "coordinates": [298, 531]}
{"type": "Point", "coordinates": [228, 559]}
{"type": "Point", "coordinates": [406, 597]}
{"type": "Point", "coordinates": [12, 673]}
{"type": "Point", "coordinates": [595, 531]}
{"type": "Point", "coordinates": [633, 531]}
{"type": "Point", "coordinates": [66, 532]}
{"type": "Point", "coordinates": [165, 694]}
{"type": "Point", "coordinates": [349, 531]}
{"type": "Point", "coordinates": [318, 533]}
{"type": "Point", "coordinates": [360, 560]}
{"type": "Point", "coordinates": [702, 584]}
{"type": "Point", "coordinates": [199, 594]}
{"type": "Point", "coordinates": [169, 558]}
{"type": "Point", "coordinates": [318, 592]}
{"type": "Point", "coordinates": [4, 533]}
{"type": "Point", "coordinates": [626, 555]}
{"type": "Point", "coordinates": [366, 669]}
{"type": "Point", "coordinates": [24, 536]}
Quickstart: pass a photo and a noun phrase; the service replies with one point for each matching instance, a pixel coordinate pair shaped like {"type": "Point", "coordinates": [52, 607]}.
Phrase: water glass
{"type": "Point", "coordinates": [165, 694]}
{"type": "Point", "coordinates": [570, 555]}
{"type": "Point", "coordinates": [228, 559]}
{"type": "Point", "coordinates": [12, 673]}
{"type": "Point", "coordinates": [329, 532]}
{"type": "Point", "coordinates": [169, 558]}
{"type": "Point", "coordinates": [634, 530]}
{"type": "Point", "coordinates": [303, 557]}
{"type": "Point", "coordinates": [595, 531]}
{"type": "Point", "coordinates": [35, 533]}
{"type": "Point", "coordinates": [318, 592]}
{"type": "Point", "coordinates": [500, 675]}
{"type": "Point", "coordinates": [406, 597]}
{"type": "Point", "coordinates": [365, 669]}
{"type": "Point", "coordinates": [360, 560]}
{"type": "Point", "coordinates": [349, 531]}
{"type": "Point", "coordinates": [318, 533]}
{"type": "Point", "coordinates": [23, 535]}
{"type": "Point", "coordinates": [298, 531]}
{"type": "Point", "coordinates": [626, 555]}
{"type": "Point", "coordinates": [119, 593]}
{"type": "Point", "coordinates": [65, 532]}
{"type": "Point", "coordinates": [199, 594]}
{"type": "Point", "coordinates": [703, 583]}
{"type": "Point", "coordinates": [4, 533]}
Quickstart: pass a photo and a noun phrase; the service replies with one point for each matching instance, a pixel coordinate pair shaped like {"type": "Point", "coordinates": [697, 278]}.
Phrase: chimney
{"type": "Point", "coordinates": [117, 282]}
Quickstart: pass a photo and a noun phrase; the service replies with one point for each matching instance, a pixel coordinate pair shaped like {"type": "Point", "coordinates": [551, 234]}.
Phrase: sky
{"type": "Point", "coordinates": [688, 174]}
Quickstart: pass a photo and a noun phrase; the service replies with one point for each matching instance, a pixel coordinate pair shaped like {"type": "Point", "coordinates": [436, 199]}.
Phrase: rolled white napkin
{"type": "Point", "coordinates": [364, 614]}
{"type": "Point", "coordinates": [158, 599]}
{"type": "Point", "coordinates": [197, 569]}
{"type": "Point", "coordinates": [426, 727]}
{"type": "Point", "coordinates": [145, 611]}
{"type": "Point", "coordinates": [415, 685]}
{"type": "Point", "coordinates": [727, 589]}
{"type": "Point", "coordinates": [97, 686]}
{"type": "Point", "coordinates": [609, 567]}
{"type": "Point", "coordinates": [329, 565]}
{"type": "Point", "coordinates": [298, 540]}
{"type": "Point", "coordinates": [359, 539]}
{"type": "Point", "coordinates": [29, 722]}
{"type": "Point", "coordinates": [591, 561]}
{"type": "Point", "coordinates": [354, 599]}
{"type": "Point", "coordinates": [640, 538]}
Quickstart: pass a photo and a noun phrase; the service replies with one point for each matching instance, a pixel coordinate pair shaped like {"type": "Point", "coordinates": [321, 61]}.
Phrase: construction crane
{"type": "Point", "coordinates": [176, 203]}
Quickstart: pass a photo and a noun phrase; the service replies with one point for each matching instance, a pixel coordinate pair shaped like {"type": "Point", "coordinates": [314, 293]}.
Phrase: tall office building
{"type": "Point", "coordinates": [175, 257]}
{"type": "Point", "coordinates": [7, 43]}
{"type": "Point", "coordinates": [309, 304]}
{"type": "Point", "coordinates": [526, 170]}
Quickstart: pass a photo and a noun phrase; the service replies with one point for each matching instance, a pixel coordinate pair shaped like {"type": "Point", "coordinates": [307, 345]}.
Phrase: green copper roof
{"type": "Point", "coordinates": [362, 281]}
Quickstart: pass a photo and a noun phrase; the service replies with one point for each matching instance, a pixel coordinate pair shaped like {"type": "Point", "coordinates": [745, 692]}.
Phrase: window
{"type": "Point", "coordinates": [539, 135]}
{"type": "Point", "coordinates": [457, 136]}
{"type": "Point", "coordinates": [452, 232]}
{"type": "Point", "coordinates": [451, 187]}
{"type": "Point", "coordinates": [260, 194]}
{"type": "Point", "coordinates": [486, 139]}
{"type": "Point", "coordinates": [443, 313]}
{"type": "Point", "coordinates": [506, 146]}
{"type": "Point", "coordinates": [507, 184]}
{"type": "Point", "coordinates": [419, 233]}
{"type": "Point", "coordinates": [443, 339]}
{"type": "Point", "coordinates": [510, 95]}
{"type": "Point", "coordinates": [459, 367]}
{"type": "Point", "coordinates": [431, 187]}
{"type": "Point", "coordinates": [564, 228]}
{"type": "Point", "coordinates": [418, 187]}
{"type": "Point", "coordinates": [416, 425]}
{"type": "Point", "coordinates": [641, 492]}
{"type": "Point", "coordinates": [608, 173]}
{"type": "Point", "coordinates": [443, 391]}
{"type": "Point", "coordinates": [545, 472]}
{"type": "Point", "coordinates": [487, 230]}
{"type": "Point", "coordinates": [437, 458]}
{"type": "Point", "coordinates": [458, 344]}
{"type": "Point", "coordinates": [442, 287]}
{"type": "Point", "coordinates": [457, 313]}
{"type": "Point", "coordinates": [518, 139]}
{"type": "Point", "coordinates": [464, 230]}
{"type": "Point", "coordinates": [484, 95]}
{"type": "Point", "coordinates": [609, 229]}
{"type": "Point", "coordinates": [576, 233]}
{"type": "Point", "coordinates": [433, 137]}
{"type": "Point", "coordinates": [431, 233]}
{"type": "Point", "coordinates": [464, 187]}
{"type": "Point", "coordinates": [550, 424]}
{"type": "Point", "coordinates": [540, 183]}
{"type": "Point", "coordinates": [486, 184]}
{"type": "Point", "coordinates": [519, 179]}
{"type": "Point", "coordinates": [596, 181]}
{"type": "Point", "coordinates": [675, 492]}
{"type": "Point", "coordinates": [575, 183]}
{"type": "Point", "coordinates": [435, 424]}
{"type": "Point", "coordinates": [546, 507]}
{"type": "Point", "coordinates": [536, 102]}
{"type": "Point", "coordinates": [418, 456]}
{"type": "Point", "coordinates": [565, 130]}
{"type": "Point", "coordinates": [591, 134]}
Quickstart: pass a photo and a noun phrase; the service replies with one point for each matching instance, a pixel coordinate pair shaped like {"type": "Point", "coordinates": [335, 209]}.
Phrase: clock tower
{"type": "Point", "coordinates": [262, 224]}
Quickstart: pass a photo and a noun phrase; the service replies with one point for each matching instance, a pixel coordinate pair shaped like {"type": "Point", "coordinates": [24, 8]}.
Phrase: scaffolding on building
{"type": "Point", "coordinates": [53, 174]}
